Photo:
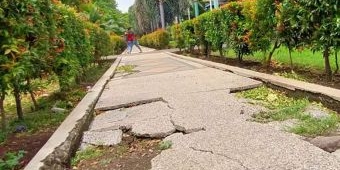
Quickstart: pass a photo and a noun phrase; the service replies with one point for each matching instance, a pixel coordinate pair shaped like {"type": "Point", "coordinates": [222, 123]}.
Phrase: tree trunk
{"type": "Point", "coordinates": [161, 10]}
{"type": "Point", "coordinates": [207, 49]}
{"type": "Point", "coordinates": [35, 103]}
{"type": "Point", "coordinates": [291, 59]}
{"type": "Point", "coordinates": [2, 111]}
{"type": "Point", "coordinates": [276, 46]}
{"type": "Point", "coordinates": [328, 68]}
{"type": "Point", "coordinates": [16, 92]}
{"type": "Point", "coordinates": [336, 62]}
{"type": "Point", "coordinates": [220, 49]}
{"type": "Point", "coordinates": [239, 56]}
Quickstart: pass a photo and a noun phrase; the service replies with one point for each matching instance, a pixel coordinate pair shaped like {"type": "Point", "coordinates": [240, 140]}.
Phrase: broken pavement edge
{"type": "Point", "coordinates": [57, 151]}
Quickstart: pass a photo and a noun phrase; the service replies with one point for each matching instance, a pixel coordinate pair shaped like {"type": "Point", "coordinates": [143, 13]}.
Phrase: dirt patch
{"type": "Point", "coordinates": [310, 75]}
{"type": "Point", "coordinates": [30, 143]}
{"type": "Point", "coordinates": [131, 154]}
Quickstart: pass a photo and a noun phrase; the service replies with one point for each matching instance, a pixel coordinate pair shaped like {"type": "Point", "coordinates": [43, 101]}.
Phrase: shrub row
{"type": "Point", "coordinates": [264, 25]}
{"type": "Point", "coordinates": [39, 38]}
{"type": "Point", "coordinates": [158, 39]}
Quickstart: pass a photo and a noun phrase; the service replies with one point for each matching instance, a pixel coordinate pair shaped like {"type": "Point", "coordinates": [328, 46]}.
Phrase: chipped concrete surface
{"type": "Point", "coordinates": [205, 122]}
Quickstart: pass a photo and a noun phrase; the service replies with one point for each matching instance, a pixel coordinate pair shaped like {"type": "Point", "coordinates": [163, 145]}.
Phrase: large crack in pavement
{"type": "Point", "coordinates": [132, 104]}
{"type": "Point", "coordinates": [211, 152]}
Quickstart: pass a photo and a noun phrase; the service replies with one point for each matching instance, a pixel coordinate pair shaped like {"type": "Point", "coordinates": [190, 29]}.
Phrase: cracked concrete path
{"type": "Point", "coordinates": [193, 107]}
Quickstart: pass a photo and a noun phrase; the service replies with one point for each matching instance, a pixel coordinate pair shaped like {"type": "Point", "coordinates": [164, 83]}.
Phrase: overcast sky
{"type": "Point", "coordinates": [123, 5]}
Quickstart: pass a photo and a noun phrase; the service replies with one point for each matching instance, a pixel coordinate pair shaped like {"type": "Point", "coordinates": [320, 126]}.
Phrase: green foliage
{"type": "Point", "coordinates": [188, 35]}
{"type": "Point", "coordinates": [280, 108]}
{"type": "Point", "coordinates": [103, 44]}
{"type": "Point", "coordinates": [75, 46]}
{"type": "Point", "coordinates": [177, 36]}
{"type": "Point", "coordinates": [315, 127]}
{"type": "Point", "coordinates": [164, 145]}
{"type": "Point", "coordinates": [11, 160]}
{"type": "Point", "coordinates": [291, 75]}
{"type": "Point", "coordinates": [126, 69]}
{"type": "Point", "coordinates": [119, 44]}
{"type": "Point", "coordinates": [88, 153]}
{"type": "Point", "coordinates": [39, 38]}
{"type": "Point", "coordinates": [258, 25]}
{"type": "Point", "coordinates": [3, 136]}
{"type": "Point", "coordinates": [40, 120]}
{"type": "Point", "coordinates": [158, 39]}
{"type": "Point", "coordinates": [43, 119]}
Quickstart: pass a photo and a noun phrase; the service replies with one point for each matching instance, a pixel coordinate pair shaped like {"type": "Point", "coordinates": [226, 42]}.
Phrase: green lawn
{"type": "Point", "coordinates": [306, 58]}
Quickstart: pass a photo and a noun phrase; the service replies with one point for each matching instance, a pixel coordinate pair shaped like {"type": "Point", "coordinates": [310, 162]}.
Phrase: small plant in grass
{"type": "Point", "coordinates": [126, 69]}
{"type": "Point", "coordinates": [314, 127]}
{"type": "Point", "coordinates": [11, 160]}
{"type": "Point", "coordinates": [164, 145]}
{"type": "Point", "coordinates": [88, 153]}
{"type": "Point", "coordinates": [291, 75]}
{"type": "Point", "coordinates": [280, 108]}
{"type": "Point", "coordinates": [121, 149]}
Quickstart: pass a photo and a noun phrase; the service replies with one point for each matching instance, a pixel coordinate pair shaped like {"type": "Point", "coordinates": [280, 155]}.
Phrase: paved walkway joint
{"type": "Point", "coordinates": [192, 106]}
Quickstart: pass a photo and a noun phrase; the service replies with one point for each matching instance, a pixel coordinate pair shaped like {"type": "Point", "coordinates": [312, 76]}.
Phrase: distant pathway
{"type": "Point", "coordinates": [193, 107]}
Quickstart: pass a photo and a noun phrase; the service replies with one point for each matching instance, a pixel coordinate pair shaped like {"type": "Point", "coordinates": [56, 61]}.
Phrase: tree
{"type": "Point", "coordinates": [161, 10]}
{"type": "Point", "coordinates": [320, 20]}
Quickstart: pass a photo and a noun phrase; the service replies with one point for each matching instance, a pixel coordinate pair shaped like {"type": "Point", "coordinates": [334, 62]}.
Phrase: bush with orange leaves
{"type": "Point", "coordinates": [159, 39]}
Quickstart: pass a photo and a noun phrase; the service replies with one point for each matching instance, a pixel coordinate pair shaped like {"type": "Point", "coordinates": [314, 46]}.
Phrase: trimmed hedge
{"type": "Point", "coordinates": [263, 25]}
{"type": "Point", "coordinates": [159, 39]}
{"type": "Point", "coordinates": [119, 44]}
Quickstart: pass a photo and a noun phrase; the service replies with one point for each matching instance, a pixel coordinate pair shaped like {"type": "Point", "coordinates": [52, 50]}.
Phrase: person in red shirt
{"type": "Point", "coordinates": [131, 40]}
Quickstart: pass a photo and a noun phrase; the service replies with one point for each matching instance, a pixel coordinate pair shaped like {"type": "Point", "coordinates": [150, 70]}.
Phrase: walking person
{"type": "Point", "coordinates": [135, 42]}
{"type": "Point", "coordinates": [129, 37]}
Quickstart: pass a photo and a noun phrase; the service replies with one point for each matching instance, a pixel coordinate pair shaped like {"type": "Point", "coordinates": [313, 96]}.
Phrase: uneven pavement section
{"type": "Point", "coordinates": [252, 146]}
{"type": "Point", "coordinates": [150, 120]}
{"type": "Point", "coordinates": [196, 101]}
{"type": "Point", "coordinates": [194, 78]}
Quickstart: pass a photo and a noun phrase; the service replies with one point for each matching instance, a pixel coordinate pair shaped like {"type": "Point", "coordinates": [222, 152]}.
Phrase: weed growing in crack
{"type": "Point", "coordinates": [281, 107]}
{"type": "Point", "coordinates": [126, 69]}
{"type": "Point", "coordinates": [164, 145]}
{"type": "Point", "coordinates": [88, 153]}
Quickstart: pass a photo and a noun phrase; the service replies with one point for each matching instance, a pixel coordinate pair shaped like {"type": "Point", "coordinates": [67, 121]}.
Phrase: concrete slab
{"type": "Point", "coordinates": [337, 154]}
{"type": "Point", "coordinates": [156, 64]}
{"type": "Point", "coordinates": [149, 120]}
{"type": "Point", "coordinates": [252, 145]}
{"type": "Point", "coordinates": [189, 159]}
{"type": "Point", "coordinates": [190, 81]}
{"type": "Point", "coordinates": [276, 80]}
{"type": "Point", "coordinates": [198, 111]}
{"type": "Point", "coordinates": [105, 138]}
{"type": "Point", "coordinates": [154, 128]}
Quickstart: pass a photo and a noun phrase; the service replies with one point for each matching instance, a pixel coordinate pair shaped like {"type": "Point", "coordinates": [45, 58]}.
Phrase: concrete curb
{"type": "Point", "coordinates": [57, 151]}
{"type": "Point", "coordinates": [286, 83]}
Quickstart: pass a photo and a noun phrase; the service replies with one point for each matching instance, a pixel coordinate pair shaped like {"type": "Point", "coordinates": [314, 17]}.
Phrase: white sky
{"type": "Point", "coordinates": [123, 5]}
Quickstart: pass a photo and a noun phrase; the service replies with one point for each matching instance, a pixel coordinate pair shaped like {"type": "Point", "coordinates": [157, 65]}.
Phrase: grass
{"type": "Point", "coordinates": [11, 160]}
{"type": "Point", "coordinates": [126, 69]}
{"type": "Point", "coordinates": [164, 145]}
{"type": "Point", "coordinates": [93, 73]}
{"type": "Point", "coordinates": [86, 154]}
{"type": "Point", "coordinates": [43, 118]}
{"type": "Point", "coordinates": [280, 108]}
{"type": "Point", "coordinates": [292, 75]}
{"type": "Point", "coordinates": [315, 127]}
{"type": "Point", "coordinates": [305, 58]}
